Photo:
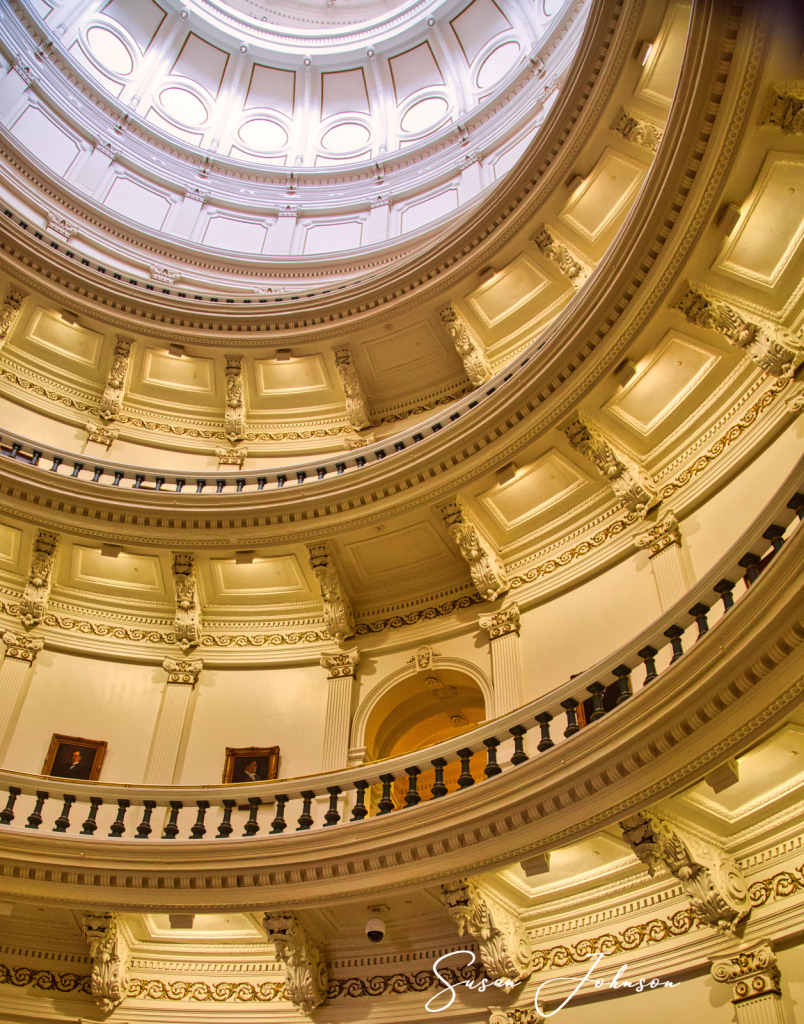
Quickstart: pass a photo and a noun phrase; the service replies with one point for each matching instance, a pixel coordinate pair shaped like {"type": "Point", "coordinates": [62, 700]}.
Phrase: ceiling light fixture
{"type": "Point", "coordinates": [487, 274]}
{"type": "Point", "coordinates": [507, 473]}
{"type": "Point", "coordinates": [625, 371]}
{"type": "Point", "coordinates": [69, 318]}
{"type": "Point", "coordinates": [644, 52]}
{"type": "Point", "coordinates": [283, 355]}
{"type": "Point", "coordinates": [575, 182]}
{"type": "Point", "coordinates": [110, 550]}
{"type": "Point", "coordinates": [728, 217]}
{"type": "Point", "coordinates": [181, 920]}
{"type": "Point", "coordinates": [244, 557]}
{"type": "Point", "coordinates": [176, 350]}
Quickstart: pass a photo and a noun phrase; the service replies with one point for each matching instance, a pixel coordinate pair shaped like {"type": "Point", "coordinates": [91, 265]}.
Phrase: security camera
{"type": "Point", "coordinates": [375, 929]}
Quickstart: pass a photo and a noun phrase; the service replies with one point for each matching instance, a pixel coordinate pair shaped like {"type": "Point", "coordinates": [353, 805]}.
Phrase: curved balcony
{"type": "Point", "coordinates": [655, 716]}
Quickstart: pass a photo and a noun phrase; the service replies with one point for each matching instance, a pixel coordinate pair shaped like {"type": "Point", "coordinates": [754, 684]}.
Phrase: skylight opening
{"type": "Point", "coordinates": [497, 65]}
{"type": "Point", "coordinates": [263, 135]}
{"type": "Point", "coordinates": [110, 51]}
{"type": "Point", "coordinates": [345, 138]}
{"type": "Point", "coordinates": [424, 114]}
{"type": "Point", "coordinates": [183, 105]}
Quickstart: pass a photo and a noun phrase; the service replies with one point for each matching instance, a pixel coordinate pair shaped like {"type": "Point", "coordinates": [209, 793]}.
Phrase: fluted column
{"type": "Point", "coordinates": [182, 677]}
{"type": "Point", "coordinates": [755, 977]}
{"type": "Point", "coordinates": [663, 542]}
{"type": "Point", "coordinates": [21, 652]}
{"type": "Point", "coordinates": [99, 440]}
{"type": "Point", "coordinates": [506, 662]}
{"type": "Point", "coordinates": [341, 669]}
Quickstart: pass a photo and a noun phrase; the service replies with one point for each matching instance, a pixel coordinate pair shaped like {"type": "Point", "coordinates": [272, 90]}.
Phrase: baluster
{"type": "Point", "coordinates": [252, 827]}
{"type": "Point", "coordinates": [724, 588]}
{"type": "Point", "coordinates": [699, 612]}
{"type": "Point", "coordinates": [439, 789]}
{"type": "Point", "coordinates": [63, 820]}
{"type": "Point", "coordinates": [751, 564]}
{"type": "Point", "coordinates": [465, 779]}
{"type": "Point", "coordinates": [198, 831]}
{"type": "Point", "coordinates": [332, 816]}
{"type": "Point", "coordinates": [544, 720]}
{"type": "Point", "coordinates": [172, 827]}
{"type": "Point", "coordinates": [598, 711]}
{"type": "Point", "coordinates": [117, 828]}
{"type": "Point", "coordinates": [90, 824]}
{"type": "Point", "coordinates": [573, 725]}
{"type": "Point", "coordinates": [674, 635]}
{"type": "Point", "coordinates": [775, 534]}
{"type": "Point", "coordinates": [7, 814]}
{"type": "Point", "coordinates": [386, 804]}
{"type": "Point", "coordinates": [412, 796]}
{"type": "Point", "coordinates": [519, 756]}
{"type": "Point", "coordinates": [225, 828]}
{"type": "Point", "coordinates": [359, 811]}
{"type": "Point", "coordinates": [796, 503]}
{"type": "Point", "coordinates": [35, 819]}
{"type": "Point", "coordinates": [623, 674]}
{"type": "Point", "coordinates": [144, 828]}
{"type": "Point", "coordinates": [648, 655]}
{"type": "Point", "coordinates": [278, 825]}
{"type": "Point", "coordinates": [492, 768]}
{"type": "Point", "coordinates": [305, 818]}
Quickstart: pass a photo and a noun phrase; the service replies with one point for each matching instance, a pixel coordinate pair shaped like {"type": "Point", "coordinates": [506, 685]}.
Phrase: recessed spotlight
{"type": "Point", "coordinates": [68, 317]}
{"type": "Point", "coordinates": [644, 52]}
{"type": "Point", "coordinates": [728, 218]}
{"type": "Point", "coordinates": [176, 350]}
{"type": "Point", "coordinates": [283, 355]}
{"type": "Point", "coordinates": [110, 550]}
{"type": "Point", "coordinates": [244, 557]}
{"type": "Point", "coordinates": [507, 473]}
{"type": "Point", "coordinates": [625, 371]}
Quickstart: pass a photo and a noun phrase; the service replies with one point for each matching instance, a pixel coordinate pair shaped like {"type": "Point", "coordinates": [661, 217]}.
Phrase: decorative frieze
{"type": "Point", "coordinates": [712, 880]}
{"type": "Point", "coordinates": [234, 425]}
{"type": "Point", "coordinates": [755, 978]}
{"type": "Point", "coordinates": [110, 957]}
{"type": "Point", "coordinates": [502, 940]}
{"type": "Point", "coordinates": [473, 356]}
{"type": "Point", "coordinates": [559, 252]}
{"type": "Point", "coordinates": [501, 623]}
{"type": "Point", "coordinates": [22, 648]}
{"type": "Point", "coordinates": [519, 1015]}
{"type": "Point", "coordinates": [306, 976]}
{"type": "Point", "coordinates": [356, 408]}
{"type": "Point", "coordinates": [485, 566]}
{"type": "Point", "coordinates": [60, 226]}
{"type": "Point", "coordinates": [231, 457]}
{"type": "Point", "coordinates": [37, 587]}
{"type": "Point", "coordinates": [103, 436]}
{"type": "Point", "coordinates": [637, 128]}
{"type": "Point", "coordinates": [9, 311]}
{"type": "Point", "coordinates": [114, 391]}
{"type": "Point", "coordinates": [777, 351]}
{"type": "Point", "coordinates": [187, 624]}
{"type": "Point", "coordinates": [787, 110]}
{"type": "Point", "coordinates": [338, 613]}
{"type": "Point", "coordinates": [630, 484]}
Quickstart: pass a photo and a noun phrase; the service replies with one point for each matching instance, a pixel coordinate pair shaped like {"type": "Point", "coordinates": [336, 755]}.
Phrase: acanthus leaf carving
{"type": "Point", "coordinates": [231, 457]}
{"type": "Point", "coordinates": [712, 880]}
{"type": "Point", "coordinates": [9, 311]}
{"type": "Point", "coordinates": [234, 424]}
{"type": "Point", "coordinates": [101, 435]}
{"type": "Point", "coordinates": [306, 976]}
{"type": "Point", "coordinates": [558, 251]}
{"type": "Point", "coordinates": [518, 1015]}
{"type": "Point", "coordinates": [752, 971]}
{"type": "Point", "coordinates": [356, 408]}
{"type": "Point", "coordinates": [60, 226]}
{"type": "Point", "coordinates": [504, 945]}
{"type": "Point", "coordinates": [638, 129]}
{"type": "Point", "coordinates": [183, 673]}
{"type": "Point", "coordinates": [777, 351]}
{"type": "Point", "coordinates": [660, 536]}
{"type": "Point", "coordinates": [22, 648]}
{"type": "Point", "coordinates": [629, 482]}
{"type": "Point", "coordinates": [112, 399]}
{"type": "Point", "coordinates": [187, 624]}
{"type": "Point", "coordinates": [787, 110]}
{"type": "Point", "coordinates": [37, 587]}
{"type": "Point", "coordinates": [341, 664]}
{"type": "Point", "coordinates": [473, 356]}
{"type": "Point", "coordinates": [338, 613]}
{"type": "Point", "coordinates": [501, 623]}
{"type": "Point", "coordinates": [110, 956]}
{"type": "Point", "coordinates": [485, 566]}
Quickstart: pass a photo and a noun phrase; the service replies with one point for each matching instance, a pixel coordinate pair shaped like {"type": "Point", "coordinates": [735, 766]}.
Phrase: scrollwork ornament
{"type": "Point", "coordinates": [187, 623]}
{"type": "Point", "coordinates": [9, 311]}
{"type": "Point", "coordinates": [660, 536]}
{"type": "Point", "coordinates": [473, 356]}
{"type": "Point", "coordinates": [37, 588]}
{"type": "Point", "coordinates": [504, 945]}
{"type": "Point", "coordinates": [306, 976]}
{"type": "Point", "coordinates": [568, 262]}
{"type": "Point", "coordinates": [338, 612]}
{"type": "Point", "coordinates": [341, 664]}
{"type": "Point", "coordinates": [109, 954]}
{"type": "Point", "coordinates": [234, 426]}
{"type": "Point", "coordinates": [501, 623]}
{"type": "Point", "coordinates": [112, 398]}
{"type": "Point", "coordinates": [485, 566]}
{"type": "Point", "coordinates": [752, 971]}
{"type": "Point", "coordinates": [356, 408]}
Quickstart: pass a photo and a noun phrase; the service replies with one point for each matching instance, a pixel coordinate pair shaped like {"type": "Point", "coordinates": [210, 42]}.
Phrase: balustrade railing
{"type": "Point", "coordinates": [335, 798]}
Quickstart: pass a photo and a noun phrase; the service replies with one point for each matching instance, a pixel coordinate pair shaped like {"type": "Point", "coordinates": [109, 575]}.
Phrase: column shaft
{"type": "Point", "coordinates": [670, 573]}
{"type": "Point", "coordinates": [338, 722]}
{"type": "Point", "coordinates": [167, 734]}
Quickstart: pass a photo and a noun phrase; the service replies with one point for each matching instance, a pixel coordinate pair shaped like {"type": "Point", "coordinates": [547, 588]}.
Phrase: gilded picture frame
{"type": "Point", "coordinates": [74, 757]}
{"type": "Point", "coordinates": [250, 764]}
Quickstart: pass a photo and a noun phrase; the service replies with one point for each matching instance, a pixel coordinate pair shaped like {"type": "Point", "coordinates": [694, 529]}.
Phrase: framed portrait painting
{"type": "Point", "coordinates": [251, 764]}
{"type": "Point", "coordinates": [73, 757]}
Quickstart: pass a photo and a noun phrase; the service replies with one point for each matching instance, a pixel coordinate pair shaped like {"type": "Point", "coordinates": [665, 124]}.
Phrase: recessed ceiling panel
{"type": "Point", "coordinates": [179, 373]}
{"type": "Point", "coordinates": [413, 70]}
{"type": "Point", "coordinates": [515, 285]}
{"type": "Point", "coordinates": [407, 354]}
{"type": "Point", "coordinates": [234, 235]}
{"type": "Point", "coordinates": [9, 544]}
{"type": "Point", "coordinates": [131, 572]}
{"type": "Point", "coordinates": [534, 489]}
{"type": "Point", "coordinates": [71, 340]}
{"type": "Point", "coordinates": [669, 375]}
{"type": "Point", "coordinates": [44, 139]}
{"type": "Point", "coordinates": [201, 63]}
{"type": "Point", "coordinates": [477, 24]}
{"type": "Point", "coordinates": [403, 551]}
{"type": "Point", "coordinates": [596, 204]}
{"type": "Point", "coordinates": [418, 215]}
{"type": "Point", "coordinates": [137, 203]}
{"type": "Point", "coordinates": [343, 91]}
{"type": "Point", "coordinates": [140, 18]}
{"type": "Point", "coordinates": [660, 76]}
{"type": "Point", "coordinates": [272, 88]}
{"type": "Point", "coordinates": [295, 375]}
{"type": "Point", "coordinates": [772, 227]}
{"type": "Point", "coordinates": [279, 575]}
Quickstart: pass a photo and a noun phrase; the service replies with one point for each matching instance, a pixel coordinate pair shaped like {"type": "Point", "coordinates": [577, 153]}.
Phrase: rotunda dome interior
{"type": "Point", "coordinates": [401, 479]}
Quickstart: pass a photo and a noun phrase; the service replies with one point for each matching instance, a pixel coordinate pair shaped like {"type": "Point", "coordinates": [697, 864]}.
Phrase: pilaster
{"type": "Point", "coordinates": [171, 720]}
{"type": "Point", "coordinates": [341, 673]}
{"type": "Point", "coordinates": [756, 979]}
{"type": "Point", "coordinates": [99, 441]}
{"type": "Point", "coordinates": [663, 543]}
{"type": "Point", "coordinates": [506, 661]}
{"type": "Point", "coordinates": [21, 652]}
